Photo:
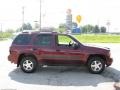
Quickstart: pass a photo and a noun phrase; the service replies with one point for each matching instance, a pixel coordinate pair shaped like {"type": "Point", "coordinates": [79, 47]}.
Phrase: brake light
{"type": "Point", "coordinates": [10, 51]}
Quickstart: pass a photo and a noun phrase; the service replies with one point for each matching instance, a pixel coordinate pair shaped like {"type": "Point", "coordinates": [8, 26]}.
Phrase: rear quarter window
{"type": "Point", "coordinates": [23, 39]}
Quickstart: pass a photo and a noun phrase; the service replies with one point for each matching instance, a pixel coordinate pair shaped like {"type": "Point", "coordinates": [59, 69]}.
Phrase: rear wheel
{"type": "Point", "coordinates": [96, 65]}
{"type": "Point", "coordinates": [28, 64]}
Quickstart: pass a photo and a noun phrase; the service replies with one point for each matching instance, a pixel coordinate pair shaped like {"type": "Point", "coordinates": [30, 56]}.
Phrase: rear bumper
{"type": "Point", "coordinates": [109, 61]}
{"type": "Point", "coordinates": [12, 59]}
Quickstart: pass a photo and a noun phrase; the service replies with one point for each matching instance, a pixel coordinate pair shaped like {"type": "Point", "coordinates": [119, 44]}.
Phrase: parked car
{"type": "Point", "coordinates": [28, 50]}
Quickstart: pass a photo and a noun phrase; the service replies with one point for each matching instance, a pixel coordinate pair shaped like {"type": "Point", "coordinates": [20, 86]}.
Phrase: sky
{"type": "Point", "coordinates": [54, 12]}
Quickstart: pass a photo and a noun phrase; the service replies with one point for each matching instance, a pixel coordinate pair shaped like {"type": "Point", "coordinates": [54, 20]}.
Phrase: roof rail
{"type": "Point", "coordinates": [47, 32]}
{"type": "Point", "coordinates": [54, 32]}
{"type": "Point", "coordinates": [29, 31]}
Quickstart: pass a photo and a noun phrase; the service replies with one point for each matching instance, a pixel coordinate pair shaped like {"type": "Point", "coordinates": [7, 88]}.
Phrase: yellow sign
{"type": "Point", "coordinates": [78, 18]}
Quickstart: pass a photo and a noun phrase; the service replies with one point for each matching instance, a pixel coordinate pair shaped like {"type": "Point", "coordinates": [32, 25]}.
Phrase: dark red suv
{"type": "Point", "coordinates": [29, 50]}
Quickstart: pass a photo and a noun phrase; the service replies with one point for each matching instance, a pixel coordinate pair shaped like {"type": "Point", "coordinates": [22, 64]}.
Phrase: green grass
{"type": "Point", "coordinates": [4, 35]}
{"type": "Point", "coordinates": [98, 38]}
{"type": "Point", "coordinates": [95, 38]}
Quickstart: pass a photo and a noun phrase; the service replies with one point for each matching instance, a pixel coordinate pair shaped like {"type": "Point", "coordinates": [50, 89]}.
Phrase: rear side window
{"type": "Point", "coordinates": [43, 40]}
{"type": "Point", "coordinates": [23, 39]}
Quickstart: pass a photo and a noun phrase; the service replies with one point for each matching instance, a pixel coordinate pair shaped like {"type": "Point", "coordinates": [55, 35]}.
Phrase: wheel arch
{"type": "Point", "coordinates": [96, 55]}
{"type": "Point", "coordinates": [23, 55]}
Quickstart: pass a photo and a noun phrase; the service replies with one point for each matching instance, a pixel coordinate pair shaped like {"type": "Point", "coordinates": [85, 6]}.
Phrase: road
{"type": "Point", "coordinates": [49, 78]}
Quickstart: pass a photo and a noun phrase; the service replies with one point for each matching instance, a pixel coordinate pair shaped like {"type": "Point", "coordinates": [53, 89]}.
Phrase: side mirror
{"type": "Point", "coordinates": [76, 46]}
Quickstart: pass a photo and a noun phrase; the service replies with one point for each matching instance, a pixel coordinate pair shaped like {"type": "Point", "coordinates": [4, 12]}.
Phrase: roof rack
{"type": "Point", "coordinates": [42, 32]}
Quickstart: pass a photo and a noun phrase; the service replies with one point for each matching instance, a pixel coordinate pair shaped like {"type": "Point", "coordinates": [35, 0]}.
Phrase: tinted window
{"type": "Point", "coordinates": [22, 39]}
{"type": "Point", "coordinates": [43, 40]}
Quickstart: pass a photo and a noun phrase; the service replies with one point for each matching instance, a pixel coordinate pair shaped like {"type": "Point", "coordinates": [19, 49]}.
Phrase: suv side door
{"type": "Point", "coordinates": [44, 47]}
{"type": "Point", "coordinates": [74, 55]}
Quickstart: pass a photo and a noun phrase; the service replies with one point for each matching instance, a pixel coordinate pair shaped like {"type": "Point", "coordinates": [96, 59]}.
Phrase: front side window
{"type": "Point", "coordinates": [43, 40]}
{"type": "Point", "coordinates": [64, 40]}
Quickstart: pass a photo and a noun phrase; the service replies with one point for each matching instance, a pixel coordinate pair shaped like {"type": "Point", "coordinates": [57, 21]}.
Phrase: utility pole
{"type": "Point", "coordinates": [22, 18]}
{"type": "Point", "coordinates": [40, 15]}
{"type": "Point", "coordinates": [1, 27]}
{"type": "Point", "coordinates": [108, 26]}
{"type": "Point", "coordinates": [69, 21]}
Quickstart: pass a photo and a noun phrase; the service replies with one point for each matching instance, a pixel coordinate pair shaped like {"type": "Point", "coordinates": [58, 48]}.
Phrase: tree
{"type": "Point", "coordinates": [62, 25]}
{"type": "Point", "coordinates": [103, 29]}
{"type": "Point", "coordinates": [96, 29]}
{"type": "Point", "coordinates": [25, 26]}
{"type": "Point", "coordinates": [29, 26]}
{"type": "Point", "coordinates": [90, 28]}
{"type": "Point", "coordinates": [62, 28]}
{"type": "Point", "coordinates": [87, 28]}
{"type": "Point", "coordinates": [74, 25]}
{"type": "Point", "coordinates": [84, 29]}
{"type": "Point", "coordinates": [36, 26]}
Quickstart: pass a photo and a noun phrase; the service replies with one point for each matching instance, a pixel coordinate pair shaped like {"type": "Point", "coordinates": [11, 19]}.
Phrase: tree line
{"type": "Point", "coordinates": [62, 28]}
{"type": "Point", "coordinates": [85, 29]}
{"type": "Point", "coordinates": [93, 29]}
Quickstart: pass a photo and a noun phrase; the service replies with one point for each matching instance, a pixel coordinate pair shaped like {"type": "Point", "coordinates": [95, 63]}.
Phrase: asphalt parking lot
{"type": "Point", "coordinates": [52, 78]}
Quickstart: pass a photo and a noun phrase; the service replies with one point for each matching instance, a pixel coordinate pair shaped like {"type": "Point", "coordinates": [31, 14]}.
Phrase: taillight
{"type": "Point", "coordinates": [109, 54]}
{"type": "Point", "coordinates": [10, 51]}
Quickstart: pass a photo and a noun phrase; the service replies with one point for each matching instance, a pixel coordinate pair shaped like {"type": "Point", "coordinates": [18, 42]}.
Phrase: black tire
{"type": "Point", "coordinates": [96, 65]}
{"type": "Point", "coordinates": [28, 64]}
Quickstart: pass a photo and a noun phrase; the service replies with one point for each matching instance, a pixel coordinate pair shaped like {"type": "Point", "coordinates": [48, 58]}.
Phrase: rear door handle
{"type": "Point", "coordinates": [58, 50]}
{"type": "Point", "coordinates": [34, 49]}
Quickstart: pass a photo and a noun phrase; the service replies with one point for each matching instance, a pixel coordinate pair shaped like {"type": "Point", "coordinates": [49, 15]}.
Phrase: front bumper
{"type": "Point", "coordinates": [109, 61]}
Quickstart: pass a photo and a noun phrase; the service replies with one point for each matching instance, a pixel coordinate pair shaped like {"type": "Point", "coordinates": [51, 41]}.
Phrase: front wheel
{"type": "Point", "coordinates": [96, 65]}
{"type": "Point", "coordinates": [28, 64]}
